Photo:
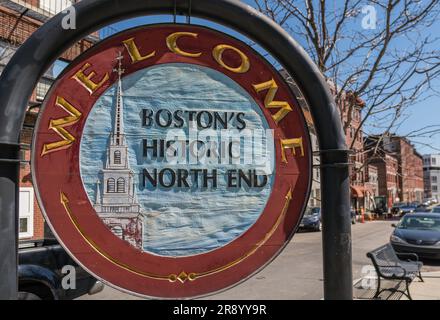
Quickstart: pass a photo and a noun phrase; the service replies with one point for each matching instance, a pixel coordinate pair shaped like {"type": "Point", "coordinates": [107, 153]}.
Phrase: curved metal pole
{"type": "Point", "coordinates": [32, 59]}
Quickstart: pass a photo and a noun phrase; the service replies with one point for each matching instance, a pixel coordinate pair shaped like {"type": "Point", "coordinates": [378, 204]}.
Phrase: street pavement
{"type": "Point", "coordinates": [427, 290]}
{"type": "Point", "coordinates": [297, 272]}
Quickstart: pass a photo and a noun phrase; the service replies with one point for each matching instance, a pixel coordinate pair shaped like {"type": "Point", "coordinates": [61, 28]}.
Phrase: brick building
{"type": "Point", "coordinates": [386, 164]}
{"type": "Point", "coordinates": [387, 174]}
{"type": "Point", "coordinates": [410, 168]}
{"type": "Point", "coordinates": [351, 116]}
{"type": "Point", "coordinates": [350, 108]}
{"type": "Point", "coordinates": [18, 20]}
{"type": "Point", "coordinates": [400, 168]}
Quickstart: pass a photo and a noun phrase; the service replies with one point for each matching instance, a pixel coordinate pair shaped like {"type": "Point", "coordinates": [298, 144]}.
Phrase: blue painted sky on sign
{"type": "Point", "coordinates": [179, 222]}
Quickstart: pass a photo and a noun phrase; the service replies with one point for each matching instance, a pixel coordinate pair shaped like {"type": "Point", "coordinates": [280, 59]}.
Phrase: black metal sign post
{"type": "Point", "coordinates": [32, 59]}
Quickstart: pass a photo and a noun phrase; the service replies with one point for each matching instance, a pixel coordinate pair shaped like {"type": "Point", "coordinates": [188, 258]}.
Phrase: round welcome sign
{"type": "Point", "coordinates": [171, 161]}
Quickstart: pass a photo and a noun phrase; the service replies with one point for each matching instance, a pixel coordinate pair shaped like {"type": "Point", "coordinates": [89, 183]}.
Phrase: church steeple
{"type": "Point", "coordinates": [118, 130]}
{"type": "Point", "coordinates": [117, 155]}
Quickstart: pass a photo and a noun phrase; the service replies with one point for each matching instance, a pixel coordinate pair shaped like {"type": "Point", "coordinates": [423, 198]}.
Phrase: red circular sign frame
{"type": "Point", "coordinates": [70, 214]}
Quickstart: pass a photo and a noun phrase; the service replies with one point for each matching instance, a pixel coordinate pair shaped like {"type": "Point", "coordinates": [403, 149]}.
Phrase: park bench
{"type": "Point", "coordinates": [389, 266]}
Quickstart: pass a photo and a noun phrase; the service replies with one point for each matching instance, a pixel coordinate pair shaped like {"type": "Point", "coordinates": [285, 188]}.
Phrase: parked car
{"type": "Point", "coordinates": [422, 209]}
{"type": "Point", "coordinates": [415, 204]}
{"type": "Point", "coordinates": [429, 201]}
{"type": "Point", "coordinates": [418, 233]}
{"type": "Point", "coordinates": [40, 273]}
{"type": "Point", "coordinates": [312, 219]}
{"type": "Point", "coordinates": [397, 208]}
{"type": "Point", "coordinates": [407, 209]}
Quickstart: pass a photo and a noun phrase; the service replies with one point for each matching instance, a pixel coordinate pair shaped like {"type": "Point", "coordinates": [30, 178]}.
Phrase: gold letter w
{"type": "Point", "coordinates": [58, 126]}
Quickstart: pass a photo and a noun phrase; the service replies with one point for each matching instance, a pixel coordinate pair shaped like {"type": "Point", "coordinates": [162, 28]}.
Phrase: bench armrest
{"type": "Point", "coordinates": [413, 255]}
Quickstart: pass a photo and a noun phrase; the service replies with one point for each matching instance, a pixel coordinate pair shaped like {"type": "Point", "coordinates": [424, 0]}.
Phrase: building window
{"type": "Point", "coordinates": [121, 185]}
{"type": "Point", "coordinates": [111, 185]}
{"type": "Point", "coordinates": [434, 179]}
{"type": "Point", "coordinates": [26, 213]}
{"type": "Point", "coordinates": [433, 160]}
{"type": "Point", "coordinates": [117, 231]}
{"type": "Point", "coordinates": [55, 6]}
{"type": "Point", "coordinates": [42, 88]}
{"type": "Point", "coordinates": [117, 157]}
{"type": "Point", "coordinates": [434, 188]}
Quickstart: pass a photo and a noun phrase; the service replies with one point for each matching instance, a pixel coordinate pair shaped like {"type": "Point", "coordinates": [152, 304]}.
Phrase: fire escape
{"type": "Point", "coordinates": [19, 19]}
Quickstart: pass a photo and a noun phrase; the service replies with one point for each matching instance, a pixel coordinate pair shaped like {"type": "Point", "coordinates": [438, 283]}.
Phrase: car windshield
{"type": "Point", "coordinates": [312, 212]}
{"type": "Point", "coordinates": [420, 223]}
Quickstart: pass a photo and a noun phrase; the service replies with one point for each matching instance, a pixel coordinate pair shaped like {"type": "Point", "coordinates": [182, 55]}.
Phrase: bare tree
{"type": "Point", "coordinates": [380, 52]}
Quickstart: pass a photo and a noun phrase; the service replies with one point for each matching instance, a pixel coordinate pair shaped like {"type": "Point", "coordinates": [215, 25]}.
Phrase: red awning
{"type": "Point", "coordinates": [357, 191]}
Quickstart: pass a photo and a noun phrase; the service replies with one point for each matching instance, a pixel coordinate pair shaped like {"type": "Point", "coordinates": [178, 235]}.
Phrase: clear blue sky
{"type": "Point", "coordinates": [420, 115]}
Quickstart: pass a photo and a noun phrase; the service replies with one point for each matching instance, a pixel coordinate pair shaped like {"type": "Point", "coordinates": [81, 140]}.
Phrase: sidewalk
{"type": "Point", "coordinates": [428, 290]}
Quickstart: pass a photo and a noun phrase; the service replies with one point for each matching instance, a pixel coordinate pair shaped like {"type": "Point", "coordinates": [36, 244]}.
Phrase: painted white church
{"type": "Point", "coordinates": [116, 202]}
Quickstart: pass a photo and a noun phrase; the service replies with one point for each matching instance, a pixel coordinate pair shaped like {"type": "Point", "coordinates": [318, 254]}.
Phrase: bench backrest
{"type": "Point", "coordinates": [384, 256]}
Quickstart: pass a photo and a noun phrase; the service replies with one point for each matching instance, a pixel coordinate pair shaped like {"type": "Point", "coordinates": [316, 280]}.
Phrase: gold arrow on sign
{"type": "Point", "coordinates": [257, 245]}
{"type": "Point", "coordinates": [183, 276]}
{"type": "Point", "coordinates": [65, 203]}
